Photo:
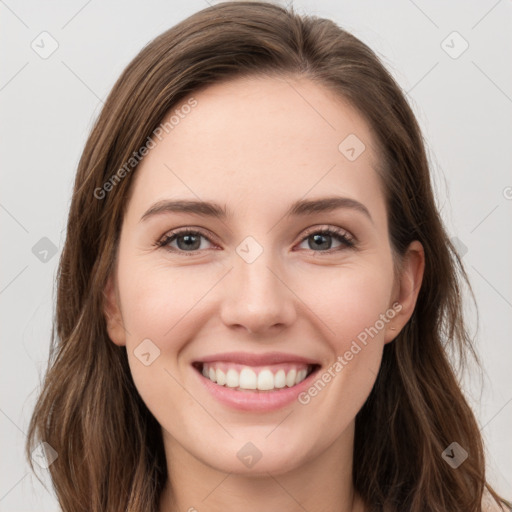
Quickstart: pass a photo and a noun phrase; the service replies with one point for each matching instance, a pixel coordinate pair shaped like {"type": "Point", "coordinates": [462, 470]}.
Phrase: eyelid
{"type": "Point", "coordinates": [163, 240]}
{"type": "Point", "coordinates": [334, 229]}
{"type": "Point", "coordinates": [349, 240]}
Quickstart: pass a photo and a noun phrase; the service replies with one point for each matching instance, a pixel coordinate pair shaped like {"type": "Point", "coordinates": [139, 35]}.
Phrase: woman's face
{"type": "Point", "coordinates": [256, 296]}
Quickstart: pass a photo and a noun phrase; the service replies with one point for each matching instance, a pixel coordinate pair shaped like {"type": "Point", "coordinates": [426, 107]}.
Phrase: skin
{"type": "Point", "coordinates": [257, 145]}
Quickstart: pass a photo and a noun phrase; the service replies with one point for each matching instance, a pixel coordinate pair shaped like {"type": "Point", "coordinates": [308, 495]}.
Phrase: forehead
{"type": "Point", "coordinates": [262, 143]}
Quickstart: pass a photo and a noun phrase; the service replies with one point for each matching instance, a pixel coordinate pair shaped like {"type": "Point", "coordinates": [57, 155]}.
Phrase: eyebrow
{"type": "Point", "coordinates": [301, 207]}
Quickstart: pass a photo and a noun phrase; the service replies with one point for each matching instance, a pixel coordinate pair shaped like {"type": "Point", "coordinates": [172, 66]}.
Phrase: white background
{"type": "Point", "coordinates": [464, 107]}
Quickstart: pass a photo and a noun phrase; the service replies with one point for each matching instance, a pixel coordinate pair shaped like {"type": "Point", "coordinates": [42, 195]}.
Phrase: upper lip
{"type": "Point", "coordinates": [250, 359]}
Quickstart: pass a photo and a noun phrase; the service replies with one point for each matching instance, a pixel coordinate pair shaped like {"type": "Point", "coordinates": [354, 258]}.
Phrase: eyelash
{"type": "Point", "coordinates": [347, 241]}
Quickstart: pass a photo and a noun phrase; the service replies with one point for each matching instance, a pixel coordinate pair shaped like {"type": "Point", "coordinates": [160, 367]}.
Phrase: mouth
{"type": "Point", "coordinates": [268, 378]}
{"type": "Point", "coordinates": [255, 382]}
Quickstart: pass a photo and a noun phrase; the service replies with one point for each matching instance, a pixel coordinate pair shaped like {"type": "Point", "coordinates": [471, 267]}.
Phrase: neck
{"type": "Point", "coordinates": [319, 484]}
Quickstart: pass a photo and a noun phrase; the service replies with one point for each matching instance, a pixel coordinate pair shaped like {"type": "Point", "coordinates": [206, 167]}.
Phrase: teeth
{"type": "Point", "coordinates": [265, 380]}
{"type": "Point", "coordinates": [247, 378]}
{"type": "Point", "coordinates": [290, 378]}
{"type": "Point", "coordinates": [221, 378]}
{"type": "Point", "coordinates": [280, 379]}
{"type": "Point", "coordinates": [301, 375]}
{"type": "Point", "coordinates": [232, 378]}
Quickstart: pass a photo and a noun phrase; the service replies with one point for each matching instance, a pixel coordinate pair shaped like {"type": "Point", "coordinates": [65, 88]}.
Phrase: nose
{"type": "Point", "coordinates": [257, 297]}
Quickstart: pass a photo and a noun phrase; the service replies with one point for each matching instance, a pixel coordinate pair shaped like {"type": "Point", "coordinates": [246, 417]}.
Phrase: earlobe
{"type": "Point", "coordinates": [113, 317]}
{"type": "Point", "coordinates": [410, 280]}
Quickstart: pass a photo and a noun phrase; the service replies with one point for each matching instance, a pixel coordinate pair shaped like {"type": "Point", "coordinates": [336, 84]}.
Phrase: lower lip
{"type": "Point", "coordinates": [256, 400]}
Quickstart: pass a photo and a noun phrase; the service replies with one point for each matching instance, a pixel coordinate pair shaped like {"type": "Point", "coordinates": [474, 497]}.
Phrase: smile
{"type": "Point", "coordinates": [255, 382]}
{"type": "Point", "coordinates": [261, 378]}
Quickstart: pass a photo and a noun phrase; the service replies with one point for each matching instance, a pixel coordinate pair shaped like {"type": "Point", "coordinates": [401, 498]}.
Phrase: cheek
{"type": "Point", "coordinates": [157, 305]}
{"type": "Point", "coordinates": [161, 304]}
{"type": "Point", "coordinates": [352, 304]}
{"type": "Point", "coordinates": [156, 298]}
{"type": "Point", "coordinates": [348, 300]}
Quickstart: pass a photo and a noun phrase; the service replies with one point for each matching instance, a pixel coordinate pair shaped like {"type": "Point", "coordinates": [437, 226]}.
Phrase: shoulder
{"type": "Point", "coordinates": [489, 504]}
{"type": "Point", "coordinates": [492, 507]}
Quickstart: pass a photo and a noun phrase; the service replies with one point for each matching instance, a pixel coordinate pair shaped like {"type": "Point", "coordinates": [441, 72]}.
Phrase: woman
{"type": "Point", "coordinates": [257, 294]}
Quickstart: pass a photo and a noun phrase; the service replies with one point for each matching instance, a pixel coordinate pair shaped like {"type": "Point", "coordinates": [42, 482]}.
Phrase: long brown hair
{"type": "Point", "coordinates": [109, 446]}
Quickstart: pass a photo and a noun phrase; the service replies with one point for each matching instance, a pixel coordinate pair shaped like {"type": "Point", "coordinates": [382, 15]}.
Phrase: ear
{"type": "Point", "coordinates": [113, 316]}
{"type": "Point", "coordinates": [407, 289]}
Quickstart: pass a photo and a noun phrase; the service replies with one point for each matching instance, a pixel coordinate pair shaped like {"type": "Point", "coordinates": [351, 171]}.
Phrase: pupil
{"type": "Point", "coordinates": [193, 242]}
{"type": "Point", "coordinates": [318, 240]}
{"type": "Point", "coordinates": [190, 242]}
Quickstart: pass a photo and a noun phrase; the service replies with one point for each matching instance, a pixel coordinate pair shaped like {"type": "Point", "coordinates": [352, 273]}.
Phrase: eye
{"type": "Point", "coordinates": [322, 239]}
{"type": "Point", "coordinates": [187, 240]}
{"type": "Point", "coordinates": [319, 240]}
